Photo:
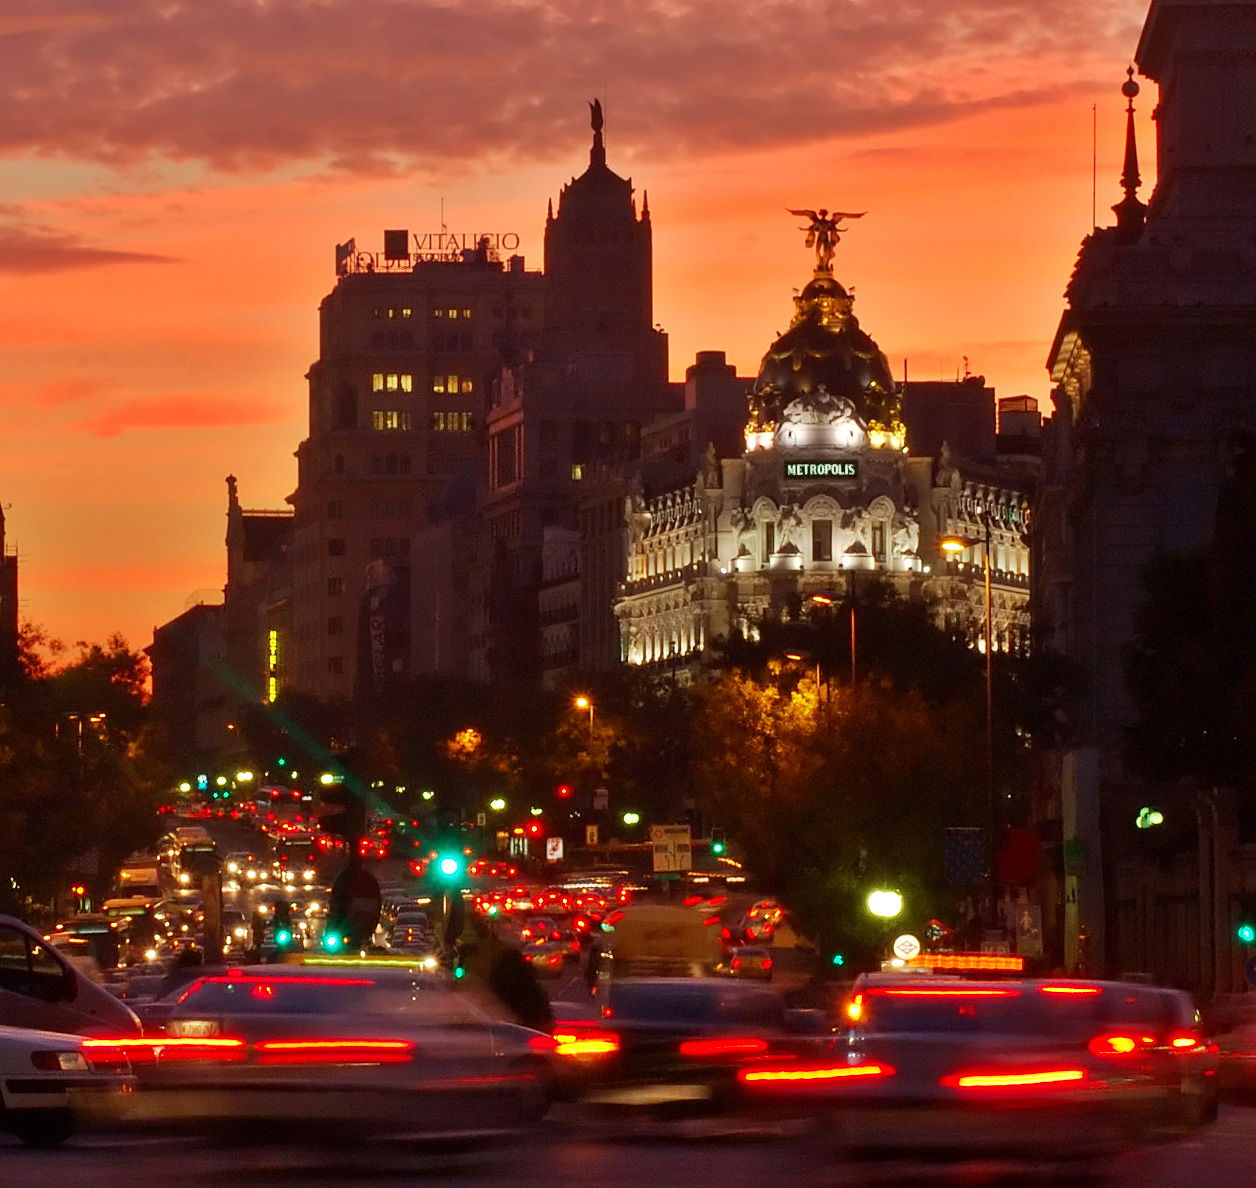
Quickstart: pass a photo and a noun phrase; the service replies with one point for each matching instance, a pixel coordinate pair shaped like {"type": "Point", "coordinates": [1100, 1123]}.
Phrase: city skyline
{"type": "Point", "coordinates": [174, 187]}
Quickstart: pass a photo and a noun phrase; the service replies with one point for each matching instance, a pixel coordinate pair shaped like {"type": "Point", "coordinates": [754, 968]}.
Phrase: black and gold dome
{"type": "Point", "coordinates": [824, 351]}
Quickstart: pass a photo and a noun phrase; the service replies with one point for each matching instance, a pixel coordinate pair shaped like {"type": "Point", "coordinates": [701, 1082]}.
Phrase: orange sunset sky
{"type": "Point", "coordinates": [174, 175]}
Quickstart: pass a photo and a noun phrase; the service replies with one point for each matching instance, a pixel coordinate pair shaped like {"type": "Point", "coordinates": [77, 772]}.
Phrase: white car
{"type": "Point", "coordinates": [48, 1080]}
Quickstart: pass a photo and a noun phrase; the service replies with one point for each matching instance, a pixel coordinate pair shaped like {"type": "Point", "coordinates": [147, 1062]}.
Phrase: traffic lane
{"type": "Point", "coordinates": [568, 1151]}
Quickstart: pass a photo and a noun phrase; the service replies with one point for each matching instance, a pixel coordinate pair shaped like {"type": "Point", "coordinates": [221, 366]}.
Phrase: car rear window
{"type": "Point", "coordinates": [418, 999]}
{"type": "Point", "coordinates": [699, 1003]}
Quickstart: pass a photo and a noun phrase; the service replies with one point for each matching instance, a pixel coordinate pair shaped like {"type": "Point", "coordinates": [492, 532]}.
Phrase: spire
{"type": "Point", "coordinates": [1130, 212]}
{"type": "Point", "coordinates": [597, 154]}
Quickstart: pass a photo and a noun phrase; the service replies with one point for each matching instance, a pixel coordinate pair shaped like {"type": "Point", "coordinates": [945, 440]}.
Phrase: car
{"type": "Point", "coordinates": [364, 1049]}
{"type": "Point", "coordinates": [1018, 1069]}
{"type": "Point", "coordinates": [49, 1080]}
{"type": "Point", "coordinates": [672, 1046]}
{"type": "Point", "coordinates": [244, 868]}
{"type": "Point", "coordinates": [41, 989]}
{"type": "Point", "coordinates": [748, 961]}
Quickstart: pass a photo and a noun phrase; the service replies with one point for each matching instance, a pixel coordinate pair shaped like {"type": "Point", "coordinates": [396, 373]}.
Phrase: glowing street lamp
{"type": "Point", "coordinates": [885, 904]}
{"type": "Point", "coordinates": [631, 818]}
{"type": "Point", "coordinates": [498, 804]}
{"type": "Point", "coordinates": [585, 703]}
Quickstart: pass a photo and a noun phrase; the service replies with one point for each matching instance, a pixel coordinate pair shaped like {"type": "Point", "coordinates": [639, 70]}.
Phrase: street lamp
{"type": "Point", "coordinates": [825, 598]}
{"type": "Point", "coordinates": [953, 546]}
{"type": "Point", "coordinates": [887, 905]}
{"type": "Point", "coordinates": [584, 703]}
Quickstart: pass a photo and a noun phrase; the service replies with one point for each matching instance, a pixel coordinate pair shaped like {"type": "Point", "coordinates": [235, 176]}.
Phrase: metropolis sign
{"type": "Point", "coordinates": [844, 469]}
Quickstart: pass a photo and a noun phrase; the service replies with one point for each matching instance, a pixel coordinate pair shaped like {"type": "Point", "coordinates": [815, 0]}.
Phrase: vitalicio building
{"type": "Point", "coordinates": [1153, 363]}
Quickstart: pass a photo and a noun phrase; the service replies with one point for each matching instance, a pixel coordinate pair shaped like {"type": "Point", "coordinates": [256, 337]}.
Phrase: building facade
{"type": "Point", "coordinates": [823, 488]}
{"type": "Point", "coordinates": [1153, 366]}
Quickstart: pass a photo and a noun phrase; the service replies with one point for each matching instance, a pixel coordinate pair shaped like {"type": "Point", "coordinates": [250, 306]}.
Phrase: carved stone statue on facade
{"type": "Point", "coordinates": [788, 529]}
{"type": "Point", "coordinates": [711, 468]}
{"type": "Point", "coordinates": [824, 232]}
{"type": "Point", "coordinates": [905, 534]}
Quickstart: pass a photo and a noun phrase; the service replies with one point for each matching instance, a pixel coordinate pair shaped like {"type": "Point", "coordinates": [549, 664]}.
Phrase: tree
{"type": "Point", "coordinates": [833, 792]}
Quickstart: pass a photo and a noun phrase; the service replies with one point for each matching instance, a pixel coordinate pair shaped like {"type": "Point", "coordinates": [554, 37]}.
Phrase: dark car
{"type": "Point", "coordinates": [673, 1046]}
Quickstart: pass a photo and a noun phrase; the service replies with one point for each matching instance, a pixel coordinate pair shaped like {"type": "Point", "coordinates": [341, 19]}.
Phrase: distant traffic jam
{"type": "Point", "coordinates": [212, 990]}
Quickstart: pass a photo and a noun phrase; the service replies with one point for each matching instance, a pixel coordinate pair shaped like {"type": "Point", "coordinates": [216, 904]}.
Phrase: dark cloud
{"type": "Point", "coordinates": [27, 250]}
{"type": "Point", "coordinates": [175, 411]}
{"type": "Point", "coordinates": [366, 84]}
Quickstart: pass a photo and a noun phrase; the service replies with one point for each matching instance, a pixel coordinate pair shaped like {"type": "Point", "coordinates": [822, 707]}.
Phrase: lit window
{"type": "Point", "coordinates": [577, 471]}
{"type": "Point", "coordinates": [390, 418]}
{"type": "Point", "coordinates": [453, 422]}
{"type": "Point", "coordinates": [377, 382]}
{"type": "Point", "coordinates": [466, 313]}
{"type": "Point", "coordinates": [466, 384]}
{"type": "Point", "coordinates": [406, 312]}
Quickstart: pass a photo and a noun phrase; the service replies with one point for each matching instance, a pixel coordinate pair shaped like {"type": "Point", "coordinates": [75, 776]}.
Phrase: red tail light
{"type": "Point", "coordinates": [1119, 1045]}
{"type": "Point", "coordinates": [584, 1041]}
{"type": "Point", "coordinates": [166, 1049]}
{"type": "Point", "coordinates": [1183, 1040]}
{"type": "Point", "coordinates": [334, 1051]}
{"type": "Point", "coordinates": [788, 1077]}
{"type": "Point", "coordinates": [724, 1046]}
{"type": "Point", "coordinates": [1009, 1080]}
{"type": "Point", "coordinates": [939, 992]}
{"type": "Point", "coordinates": [1053, 989]}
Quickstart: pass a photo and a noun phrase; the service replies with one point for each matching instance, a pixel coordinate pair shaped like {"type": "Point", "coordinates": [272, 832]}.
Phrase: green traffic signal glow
{"type": "Point", "coordinates": [331, 942]}
{"type": "Point", "coordinates": [282, 762]}
{"type": "Point", "coordinates": [449, 866]}
{"type": "Point", "coordinates": [717, 847]}
{"type": "Point", "coordinates": [1246, 933]}
{"type": "Point", "coordinates": [283, 937]}
{"type": "Point", "coordinates": [838, 959]}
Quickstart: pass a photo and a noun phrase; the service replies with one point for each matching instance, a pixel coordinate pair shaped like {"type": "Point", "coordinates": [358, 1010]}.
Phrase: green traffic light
{"type": "Point", "coordinates": [717, 847]}
{"type": "Point", "coordinates": [839, 959]}
{"type": "Point", "coordinates": [449, 866]}
{"type": "Point", "coordinates": [1246, 933]}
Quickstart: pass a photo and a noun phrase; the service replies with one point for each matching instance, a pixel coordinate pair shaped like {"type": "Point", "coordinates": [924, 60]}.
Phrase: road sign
{"type": "Point", "coordinates": [590, 835]}
{"type": "Point", "coordinates": [673, 847]}
{"type": "Point", "coordinates": [553, 849]}
{"type": "Point", "coordinates": [906, 946]}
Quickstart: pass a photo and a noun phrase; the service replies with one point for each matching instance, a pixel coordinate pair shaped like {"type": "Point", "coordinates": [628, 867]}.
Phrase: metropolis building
{"type": "Point", "coordinates": [826, 486]}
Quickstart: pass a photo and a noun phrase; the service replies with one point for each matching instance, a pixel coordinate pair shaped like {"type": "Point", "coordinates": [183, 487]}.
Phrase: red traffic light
{"type": "Point", "coordinates": [534, 828]}
{"type": "Point", "coordinates": [564, 791]}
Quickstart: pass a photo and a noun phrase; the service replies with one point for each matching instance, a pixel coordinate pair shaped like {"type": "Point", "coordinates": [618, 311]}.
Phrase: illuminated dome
{"type": "Point", "coordinates": [824, 354]}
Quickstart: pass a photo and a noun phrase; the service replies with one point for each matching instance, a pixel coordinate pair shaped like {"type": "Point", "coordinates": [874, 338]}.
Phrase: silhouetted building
{"type": "Point", "coordinates": [192, 704]}
{"type": "Point", "coordinates": [1153, 363]}
{"type": "Point", "coordinates": [8, 612]}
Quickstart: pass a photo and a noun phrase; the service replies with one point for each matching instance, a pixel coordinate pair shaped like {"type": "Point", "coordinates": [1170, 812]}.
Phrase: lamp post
{"type": "Point", "coordinates": [585, 703]}
{"type": "Point", "coordinates": [953, 546]}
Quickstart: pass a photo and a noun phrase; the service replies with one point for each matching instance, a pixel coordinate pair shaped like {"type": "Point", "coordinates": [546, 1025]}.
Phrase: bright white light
{"type": "Point", "coordinates": [886, 904]}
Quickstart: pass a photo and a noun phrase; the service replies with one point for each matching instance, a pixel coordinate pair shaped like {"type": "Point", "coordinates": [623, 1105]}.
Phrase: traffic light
{"type": "Point", "coordinates": [1245, 932]}
{"type": "Point", "coordinates": [449, 866]}
{"type": "Point", "coordinates": [717, 841]}
{"type": "Point", "coordinates": [563, 791]}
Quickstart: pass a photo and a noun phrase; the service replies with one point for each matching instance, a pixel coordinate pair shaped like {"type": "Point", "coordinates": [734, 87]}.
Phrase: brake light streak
{"type": "Point", "coordinates": [1057, 1076]}
{"type": "Point", "coordinates": [813, 1076]}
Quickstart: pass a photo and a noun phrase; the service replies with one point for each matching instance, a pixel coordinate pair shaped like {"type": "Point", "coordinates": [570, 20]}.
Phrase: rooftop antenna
{"type": "Point", "coordinates": [443, 229]}
{"type": "Point", "coordinates": [1094, 166]}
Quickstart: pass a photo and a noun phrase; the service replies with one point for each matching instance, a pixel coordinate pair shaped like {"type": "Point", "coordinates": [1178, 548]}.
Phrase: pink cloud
{"type": "Point", "coordinates": [26, 251]}
{"type": "Point", "coordinates": [177, 412]}
{"type": "Point", "coordinates": [369, 84]}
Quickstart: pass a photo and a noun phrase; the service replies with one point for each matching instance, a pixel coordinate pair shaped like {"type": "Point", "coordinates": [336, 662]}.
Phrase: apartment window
{"type": "Point", "coordinates": [335, 625]}
{"type": "Point", "coordinates": [390, 546]}
{"type": "Point", "coordinates": [577, 471]}
{"type": "Point", "coordinates": [392, 381]}
{"type": "Point", "coordinates": [335, 586]}
{"type": "Point", "coordinates": [453, 422]}
{"type": "Point", "coordinates": [822, 540]}
{"type": "Point", "coordinates": [335, 666]}
{"type": "Point", "coordinates": [390, 509]}
{"type": "Point", "coordinates": [336, 509]}
{"type": "Point", "coordinates": [338, 464]}
{"type": "Point", "coordinates": [336, 547]}
{"type": "Point", "coordinates": [451, 385]}
{"type": "Point", "coordinates": [386, 419]}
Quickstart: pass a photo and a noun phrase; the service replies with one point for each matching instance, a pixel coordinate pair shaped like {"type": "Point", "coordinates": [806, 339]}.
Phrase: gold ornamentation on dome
{"type": "Point", "coordinates": [824, 232]}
